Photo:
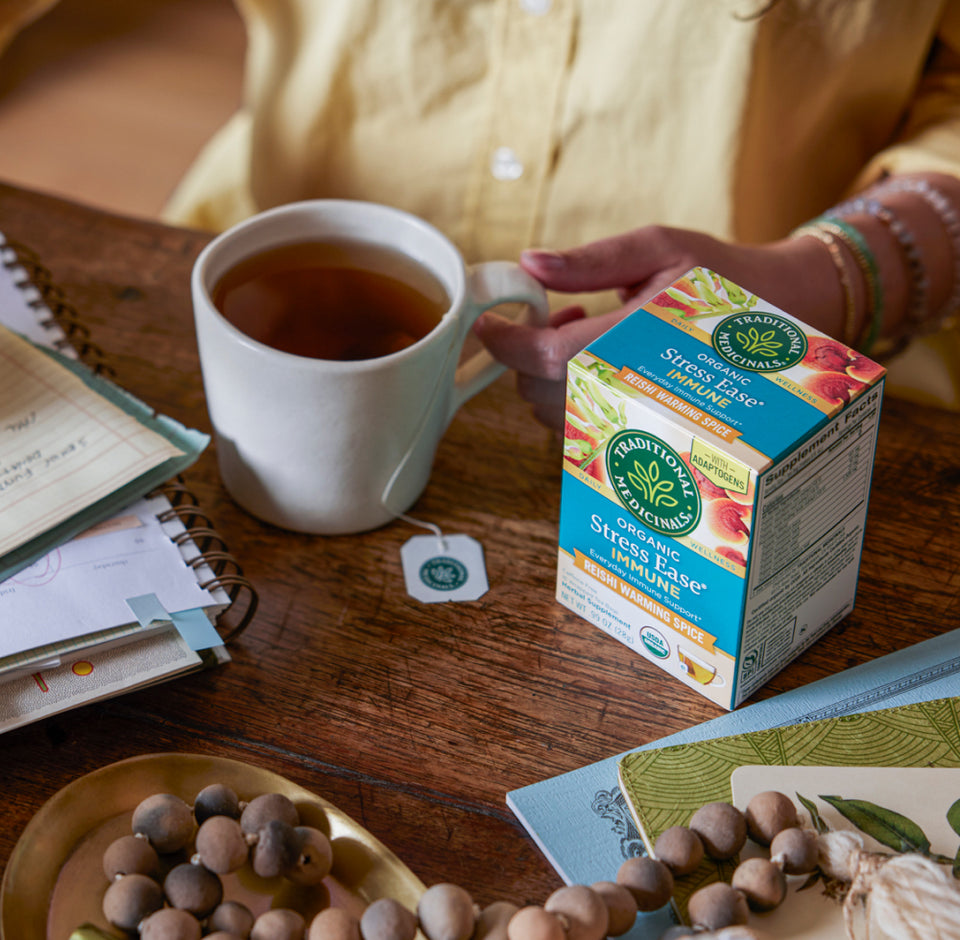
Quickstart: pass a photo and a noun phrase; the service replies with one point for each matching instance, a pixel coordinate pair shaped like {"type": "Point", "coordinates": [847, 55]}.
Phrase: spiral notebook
{"type": "Point", "coordinates": [148, 593]}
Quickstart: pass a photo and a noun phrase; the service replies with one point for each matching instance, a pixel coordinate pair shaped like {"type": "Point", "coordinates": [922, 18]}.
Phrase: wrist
{"type": "Point", "coordinates": [927, 206]}
{"type": "Point", "coordinates": [800, 275]}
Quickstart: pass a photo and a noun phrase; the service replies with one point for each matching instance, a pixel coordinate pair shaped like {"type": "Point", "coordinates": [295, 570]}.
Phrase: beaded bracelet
{"type": "Point", "coordinates": [919, 282]}
{"type": "Point", "coordinates": [948, 218]}
{"type": "Point", "coordinates": [850, 308]}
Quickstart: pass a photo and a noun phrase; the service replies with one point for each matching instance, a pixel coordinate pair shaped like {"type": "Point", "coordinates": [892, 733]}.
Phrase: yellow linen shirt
{"type": "Point", "coordinates": [513, 123]}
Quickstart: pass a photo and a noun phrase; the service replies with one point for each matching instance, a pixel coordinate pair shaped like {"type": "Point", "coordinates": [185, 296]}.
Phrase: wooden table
{"type": "Point", "coordinates": [417, 719]}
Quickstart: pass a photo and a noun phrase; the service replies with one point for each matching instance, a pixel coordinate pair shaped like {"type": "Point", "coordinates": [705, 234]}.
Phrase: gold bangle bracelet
{"type": "Point", "coordinates": [856, 244]}
{"type": "Point", "coordinates": [850, 307]}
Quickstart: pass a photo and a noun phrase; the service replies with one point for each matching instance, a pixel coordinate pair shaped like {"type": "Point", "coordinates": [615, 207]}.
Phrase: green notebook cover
{"type": "Point", "coordinates": [665, 786]}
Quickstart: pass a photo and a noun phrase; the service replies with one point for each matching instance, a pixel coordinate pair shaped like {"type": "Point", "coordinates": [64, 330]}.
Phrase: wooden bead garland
{"type": "Point", "coordinates": [910, 894]}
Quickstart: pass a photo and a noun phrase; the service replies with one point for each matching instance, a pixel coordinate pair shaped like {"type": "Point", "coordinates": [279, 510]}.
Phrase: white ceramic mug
{"type": "Point", "coordinates": [334, 447]}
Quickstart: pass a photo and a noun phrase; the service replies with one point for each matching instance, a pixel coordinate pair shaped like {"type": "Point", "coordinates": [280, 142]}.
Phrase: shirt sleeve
{"type": "Point", "coordinates": [929, 136]}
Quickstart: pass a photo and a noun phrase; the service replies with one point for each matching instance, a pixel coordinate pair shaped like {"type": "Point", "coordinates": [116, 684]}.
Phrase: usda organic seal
{"type": "Point", "coordinates": [655, 643]}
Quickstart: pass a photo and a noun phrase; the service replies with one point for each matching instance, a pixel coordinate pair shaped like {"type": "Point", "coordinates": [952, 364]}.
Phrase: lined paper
{"type": "Point", "coordinates": [63, 447]}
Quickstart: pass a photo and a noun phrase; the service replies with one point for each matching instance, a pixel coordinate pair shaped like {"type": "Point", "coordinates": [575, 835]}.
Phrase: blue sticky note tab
{"type": "Point", "coordinates": [193, 625]}
{"type": "Point", "coordinates": [147, 609]}
{"type": "Point", "coordinates": [196, 629]}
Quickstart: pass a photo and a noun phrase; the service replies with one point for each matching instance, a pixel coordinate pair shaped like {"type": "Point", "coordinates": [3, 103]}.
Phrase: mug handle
{"type": "Point", "coordinates": [489, 284]}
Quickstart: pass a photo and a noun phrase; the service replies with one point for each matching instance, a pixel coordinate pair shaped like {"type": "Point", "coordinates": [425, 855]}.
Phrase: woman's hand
{"type": "Point", "coordinates": [638, 265]}
{"type": "Point", "coordinates": [539, 354]}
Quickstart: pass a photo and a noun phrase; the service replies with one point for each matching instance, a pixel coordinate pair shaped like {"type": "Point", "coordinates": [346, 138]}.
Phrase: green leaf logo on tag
{"type": "Point", "coordinates": [760, 342]}
{"type": "Point", "coordinates": [443, 573]}
{"type": "Point", "coordinates": [653, 483]}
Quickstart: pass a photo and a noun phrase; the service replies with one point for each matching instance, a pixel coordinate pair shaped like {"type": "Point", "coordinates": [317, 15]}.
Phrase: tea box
{"type": "Point", "coordinates": [717, 461]}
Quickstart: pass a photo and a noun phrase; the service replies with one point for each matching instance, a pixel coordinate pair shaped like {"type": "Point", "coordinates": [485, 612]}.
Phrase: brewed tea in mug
{"type": "Point", "coordinates": [331, 300]}
{"type": "Point", "coordinates": [327, 441]}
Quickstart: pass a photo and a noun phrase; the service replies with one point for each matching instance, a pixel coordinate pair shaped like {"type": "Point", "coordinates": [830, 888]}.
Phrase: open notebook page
{"type": "Point", "coordinates": [63, 446]}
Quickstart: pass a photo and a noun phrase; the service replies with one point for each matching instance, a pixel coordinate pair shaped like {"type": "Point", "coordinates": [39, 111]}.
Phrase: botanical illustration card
{"type": "Point", "coordinates": [664, 786]}
{"type": "Point", "coordinates": [892, 808]}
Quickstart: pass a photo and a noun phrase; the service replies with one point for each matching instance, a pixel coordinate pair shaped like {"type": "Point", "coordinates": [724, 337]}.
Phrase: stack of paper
{"type": "Point", "coordinates": [100, 583]}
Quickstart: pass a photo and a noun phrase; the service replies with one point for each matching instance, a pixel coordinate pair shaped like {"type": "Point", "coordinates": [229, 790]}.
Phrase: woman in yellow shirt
{"type": "Point", "coordinates": [512, 123]}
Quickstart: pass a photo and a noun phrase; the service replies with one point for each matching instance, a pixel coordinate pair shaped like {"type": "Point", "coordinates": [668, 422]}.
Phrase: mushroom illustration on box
{"type": "Point", "coordinates": [718, 454]}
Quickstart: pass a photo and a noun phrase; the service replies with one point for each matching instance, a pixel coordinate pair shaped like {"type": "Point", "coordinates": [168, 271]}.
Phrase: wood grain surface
{"type": "Point", "coordinates": [417, 719]}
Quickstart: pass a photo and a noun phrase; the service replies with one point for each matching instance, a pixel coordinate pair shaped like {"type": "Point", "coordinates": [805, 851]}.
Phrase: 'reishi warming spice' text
{"type": "Point", "coordinates": [717, 455]}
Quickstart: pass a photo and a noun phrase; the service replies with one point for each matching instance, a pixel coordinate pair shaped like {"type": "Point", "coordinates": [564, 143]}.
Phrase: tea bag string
{"type": "Point", "coordinates": [435, 529]}
{"type": "Point", "coordinates": [418, 433]}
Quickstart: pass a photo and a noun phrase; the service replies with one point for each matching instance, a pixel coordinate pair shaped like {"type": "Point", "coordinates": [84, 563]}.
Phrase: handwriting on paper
{"type": "Point", "coordinates": [63, 446]}
{"type": "Point", "coordinates": [23, 469]}
{"type": "Point", "coordinates": [16, 470]}
{"type": "Point", "coordinates": [21, 424]}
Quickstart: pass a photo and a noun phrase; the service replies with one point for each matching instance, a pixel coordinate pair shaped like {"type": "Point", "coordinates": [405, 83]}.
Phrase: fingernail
{"type": "Point", "coordinates": [483, 321]}
{"type": "Point", "coordinates": [544, 258]}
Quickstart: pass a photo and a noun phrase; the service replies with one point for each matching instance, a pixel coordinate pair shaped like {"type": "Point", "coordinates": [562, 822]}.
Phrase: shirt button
{"type": "Point", "coordinates": [536, 7]}
{"type": "Point", "coordinates": [504, 164]}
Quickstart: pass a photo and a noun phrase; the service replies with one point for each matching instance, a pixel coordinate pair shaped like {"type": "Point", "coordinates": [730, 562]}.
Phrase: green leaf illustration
{"type": "Point", "coordinates": [956, 865]}
{"type": "Point", "coordinates": [815, 816]}
{"type": "Point", "coordinates": [737, 294]}
{"type": "Point", "coordinates": [576, 449]}
{"type": "Point", "coordinates": [708, 303]}
{"type": "Point", "coordinates": [610, 377]}
{"type": "Point", "coordinates": [886, 826]}
{"type": "Point", "coordinates": [705, 289]}
{"type": "Point", "coordinates": [647, 481]}
{"type": "Point", "coordinates": [953, 816]}
{"type": "Point", "coordinates": [686, 301]}
{"type": "Point", "coordinates": [593, 404]}
{"type": "Point", "coordinates": [759, 344]}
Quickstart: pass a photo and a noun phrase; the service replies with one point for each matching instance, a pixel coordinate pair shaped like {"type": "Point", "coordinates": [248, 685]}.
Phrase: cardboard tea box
{"type": "Point", "coordinates": [717, 455]}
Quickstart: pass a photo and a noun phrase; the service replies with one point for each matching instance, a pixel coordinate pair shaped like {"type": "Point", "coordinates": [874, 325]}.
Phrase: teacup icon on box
{"type": "Point", "coordinates": [703, 672]}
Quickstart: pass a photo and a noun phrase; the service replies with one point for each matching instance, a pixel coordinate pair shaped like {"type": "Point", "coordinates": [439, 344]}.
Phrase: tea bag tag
{"type": "Point", "coordinates": [439, 568]}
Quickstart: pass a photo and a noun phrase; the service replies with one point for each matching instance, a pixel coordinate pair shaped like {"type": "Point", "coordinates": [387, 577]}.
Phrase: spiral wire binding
{"type": "Point", "coordinates": [203, 536]}
{"type": "Point", "coordinates": [51, 301]}
{"type": "Point", "coordinates": [188, 514]}
{"type": "Point", "coordinates": [216, 561]}
{"type": "Point", "coordinates": [184, 507]}
{"type": "Point", "coordinates": [213, 551]}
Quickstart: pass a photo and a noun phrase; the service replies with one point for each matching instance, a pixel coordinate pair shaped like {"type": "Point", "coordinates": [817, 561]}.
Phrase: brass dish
{"type": "Point", "coordinates": [54, 881]}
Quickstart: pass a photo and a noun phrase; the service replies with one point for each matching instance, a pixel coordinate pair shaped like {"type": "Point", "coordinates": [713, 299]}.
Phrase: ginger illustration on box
{"type": "Point", "coordinates": [718, 455]}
